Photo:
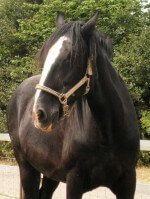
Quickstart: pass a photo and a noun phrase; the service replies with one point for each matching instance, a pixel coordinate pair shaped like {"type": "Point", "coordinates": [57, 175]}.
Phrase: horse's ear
{"type": "Point", "coordinates": [59, 19]}
{"type": "Point", "coordinates": [89, 26]}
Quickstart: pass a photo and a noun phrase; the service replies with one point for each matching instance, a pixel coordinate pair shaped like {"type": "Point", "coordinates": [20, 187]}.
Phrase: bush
{"type": "Point", "coordinates": [145, 124]}
{"type": "Point", "coordinates": [6, 150]}
{"type": "Point", "coordinates": [144, 159]}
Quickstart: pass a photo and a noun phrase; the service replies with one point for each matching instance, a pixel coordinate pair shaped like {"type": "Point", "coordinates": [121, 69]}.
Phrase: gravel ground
{"type": "Point", "coordinates": [10, 186]}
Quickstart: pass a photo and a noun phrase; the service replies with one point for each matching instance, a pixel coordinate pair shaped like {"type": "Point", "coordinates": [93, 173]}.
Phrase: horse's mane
{"type": "Point", "coordinates": [97, 41]}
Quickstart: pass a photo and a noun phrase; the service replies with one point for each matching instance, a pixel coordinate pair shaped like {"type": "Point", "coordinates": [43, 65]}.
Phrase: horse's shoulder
{"type": "Point", "coordinates": [24, 92]}
{"type": "Point", "coordinates": [27, 87]}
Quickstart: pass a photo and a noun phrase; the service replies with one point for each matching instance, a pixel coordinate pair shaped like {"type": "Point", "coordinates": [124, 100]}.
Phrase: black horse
{"type": "Point", "coordinates": [79, 126]}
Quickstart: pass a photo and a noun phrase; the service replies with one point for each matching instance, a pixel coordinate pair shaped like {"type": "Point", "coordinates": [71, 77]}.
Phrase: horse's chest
{"type": "Point", "coordinates": [98, 165]}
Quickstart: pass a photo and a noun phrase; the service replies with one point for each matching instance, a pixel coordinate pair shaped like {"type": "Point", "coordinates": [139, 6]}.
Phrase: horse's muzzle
{"type": "Point", "coordinates": [39, 125]}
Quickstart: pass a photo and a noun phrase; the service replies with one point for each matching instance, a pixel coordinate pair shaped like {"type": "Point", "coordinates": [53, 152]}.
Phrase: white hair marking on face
{"type": "Point", "coordinates": [52, 55]}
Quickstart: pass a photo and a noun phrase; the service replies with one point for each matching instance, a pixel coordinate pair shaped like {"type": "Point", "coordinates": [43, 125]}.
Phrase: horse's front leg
{"type": "Point", "coordinates": [125, 187]}
{"type": "Point", "coordinates": [48, 188]}
{"type": "Point", "coordinates": [30, 180]}
{"type": "Point", "coordinates": [75, 185]}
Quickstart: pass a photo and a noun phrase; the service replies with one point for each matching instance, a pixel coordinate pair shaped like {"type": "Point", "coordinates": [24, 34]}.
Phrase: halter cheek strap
{"type": "Point", "coordinates": [63, 97]}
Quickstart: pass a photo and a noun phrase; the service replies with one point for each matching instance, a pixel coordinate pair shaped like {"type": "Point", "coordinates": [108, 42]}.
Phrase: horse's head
{"type": "Point", "coordinates": [65, 78]}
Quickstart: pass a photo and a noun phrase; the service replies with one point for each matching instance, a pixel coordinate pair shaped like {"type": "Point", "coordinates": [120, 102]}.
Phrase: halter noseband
{"type": "Point", "coordinates": [63, 97]}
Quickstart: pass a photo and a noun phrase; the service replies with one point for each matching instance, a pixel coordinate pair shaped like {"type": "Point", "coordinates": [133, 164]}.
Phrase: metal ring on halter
{"type": "Point", "coordinates": [63, 99]}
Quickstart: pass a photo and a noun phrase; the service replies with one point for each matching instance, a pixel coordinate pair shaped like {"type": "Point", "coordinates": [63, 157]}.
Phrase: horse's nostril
{"type": "Point", "coordinates": [41, 115]}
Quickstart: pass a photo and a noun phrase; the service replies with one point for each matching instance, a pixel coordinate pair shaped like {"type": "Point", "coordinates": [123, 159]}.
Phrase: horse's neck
{"type": "Point", "coordinates": [106, 100]}
{"type": "Point", "coordinates": [108, 87]}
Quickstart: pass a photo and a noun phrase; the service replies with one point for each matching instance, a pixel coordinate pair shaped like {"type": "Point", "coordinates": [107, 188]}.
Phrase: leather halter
{"type": "Point", "coordinates": [63, 97]}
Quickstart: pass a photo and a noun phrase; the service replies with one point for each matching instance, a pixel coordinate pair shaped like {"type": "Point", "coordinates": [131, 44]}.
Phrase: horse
{"type": "Point", "coordinates": [74, 123]}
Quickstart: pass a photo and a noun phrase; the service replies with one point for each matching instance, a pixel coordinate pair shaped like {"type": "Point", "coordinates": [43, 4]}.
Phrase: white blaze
{"type": "Point", "coordinates": [52, 55]}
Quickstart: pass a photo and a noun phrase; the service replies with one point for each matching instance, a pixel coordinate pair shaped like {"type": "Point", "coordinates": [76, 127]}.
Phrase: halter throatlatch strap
{"type": "Point", "coordinates": [63, 97]}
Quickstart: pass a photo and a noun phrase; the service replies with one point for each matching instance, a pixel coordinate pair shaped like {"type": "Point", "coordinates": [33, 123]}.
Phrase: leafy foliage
{"type": "Point", "coordinates": [144, 159]}
{"type": "Point", "coordinates": [132, 61]}
{"type": "Point", "coordinates": [6, 150]}
{"type": "Point", "coordinates": [145, 123]}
